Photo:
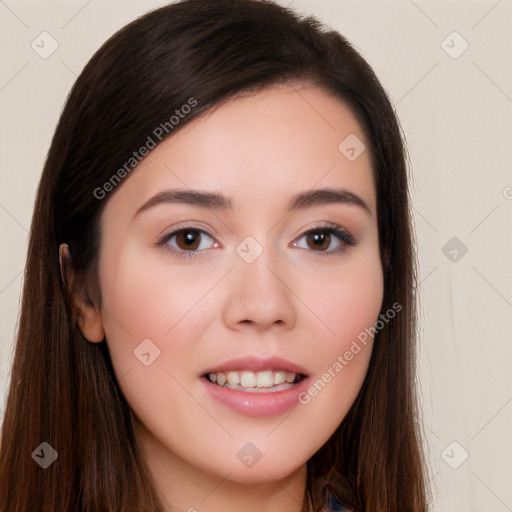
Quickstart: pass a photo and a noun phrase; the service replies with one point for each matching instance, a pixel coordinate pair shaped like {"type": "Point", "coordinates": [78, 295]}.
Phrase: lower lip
{"type": "Point", "coordinates": [259, 405]}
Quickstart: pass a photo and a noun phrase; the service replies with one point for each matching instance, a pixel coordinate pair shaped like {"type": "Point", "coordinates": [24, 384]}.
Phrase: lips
{"type": "Point", "coordinates": [256, 402]}
{"type": "Point", "coordinates": [256, 375]}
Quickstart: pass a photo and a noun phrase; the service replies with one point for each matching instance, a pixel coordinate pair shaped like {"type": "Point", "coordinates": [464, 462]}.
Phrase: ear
{"type": "Point", "coordinates": [88, 313]}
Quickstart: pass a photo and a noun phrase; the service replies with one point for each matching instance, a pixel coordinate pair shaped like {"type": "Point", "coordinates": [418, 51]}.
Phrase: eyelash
{"type": "Point", "coordinates": [343, 235]}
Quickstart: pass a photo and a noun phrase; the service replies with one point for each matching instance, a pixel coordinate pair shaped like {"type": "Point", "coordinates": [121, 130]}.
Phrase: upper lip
{"type": "Point", "coordinates": [256, 364]}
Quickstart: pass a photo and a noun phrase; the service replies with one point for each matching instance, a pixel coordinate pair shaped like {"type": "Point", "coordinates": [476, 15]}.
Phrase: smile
{"type": "Point", "coordinates": [254, 382]}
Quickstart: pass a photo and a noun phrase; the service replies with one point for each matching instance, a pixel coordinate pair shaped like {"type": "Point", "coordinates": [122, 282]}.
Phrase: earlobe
{"type": "Point", "coordinates": [88, 314]}
{"type": "Point", "coordinates": [89, 321]}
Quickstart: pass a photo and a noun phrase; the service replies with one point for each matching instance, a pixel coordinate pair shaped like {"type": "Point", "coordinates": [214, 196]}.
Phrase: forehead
{"type": "Point", "coordinates": [279, 140]}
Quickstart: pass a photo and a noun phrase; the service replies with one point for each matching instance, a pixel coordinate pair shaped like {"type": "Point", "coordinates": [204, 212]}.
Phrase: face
{"type": "Point", "coordinates": [259, 286]}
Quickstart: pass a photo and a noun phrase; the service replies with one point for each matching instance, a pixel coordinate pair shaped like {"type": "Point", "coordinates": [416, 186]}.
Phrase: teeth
{"type": "Point", "coordinates": [233, 378]}
{"type": "Point", "coordinates": [263, 380]}
{"type": "Point", "coordinates": [280, 378]}
{"type": "Point", "coordinates": [247, 379]}
{"type": "Point", "coordinates": [221, 379]}
{"type": "Point", "coordinates": [290, 376]}
{"type": "Point", "coordinates": [250, 379]}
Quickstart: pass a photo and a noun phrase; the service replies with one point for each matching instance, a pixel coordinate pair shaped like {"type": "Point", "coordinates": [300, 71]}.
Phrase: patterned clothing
{"type": "Point", "coordinates": [324, 497]}
{"type": "Point", "coordinates": [330, 504]}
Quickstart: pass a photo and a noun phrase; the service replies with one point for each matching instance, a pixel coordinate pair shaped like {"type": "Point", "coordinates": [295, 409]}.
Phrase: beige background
{"type": "Point", "coordinates": [456, 111]}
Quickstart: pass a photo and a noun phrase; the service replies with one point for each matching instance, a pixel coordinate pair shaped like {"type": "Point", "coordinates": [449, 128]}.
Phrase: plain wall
{"type": "Point", "coordinates": [456, 111]}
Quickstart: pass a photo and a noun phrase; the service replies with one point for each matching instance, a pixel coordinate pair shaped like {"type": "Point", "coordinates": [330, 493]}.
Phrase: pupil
{"type": "Point", "coordinates": [190, 237]}
{"type": "Point", "coordinates": [319, 238]}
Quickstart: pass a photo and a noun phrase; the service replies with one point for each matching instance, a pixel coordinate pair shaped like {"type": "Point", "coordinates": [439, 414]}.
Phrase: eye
{"type": "Point", "coordinates": [185, 242]}
{"type": "Point", "coordinates": [320, 238]}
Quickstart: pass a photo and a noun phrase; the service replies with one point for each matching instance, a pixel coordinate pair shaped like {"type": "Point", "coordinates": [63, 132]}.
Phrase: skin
{"type": "Point", "coordinates": [292, 301]}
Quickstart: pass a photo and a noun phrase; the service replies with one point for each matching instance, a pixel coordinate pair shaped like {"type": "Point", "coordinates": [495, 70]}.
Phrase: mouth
{"type": "Point", "coordinates": [249, 381]}
{"type": "Point", "coordinates": [256, 386]}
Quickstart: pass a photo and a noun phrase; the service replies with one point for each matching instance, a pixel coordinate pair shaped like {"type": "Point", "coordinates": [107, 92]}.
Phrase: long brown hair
{"type": "Point", "coordinates": [63, 390]}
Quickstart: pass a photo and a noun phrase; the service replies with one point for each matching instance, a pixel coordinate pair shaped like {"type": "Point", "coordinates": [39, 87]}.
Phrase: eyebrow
{"type": "Point", "coordinates": [218, 201]}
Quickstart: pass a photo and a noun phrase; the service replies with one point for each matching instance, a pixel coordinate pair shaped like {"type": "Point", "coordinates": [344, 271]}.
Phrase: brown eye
{"type": "Point", "coordinates": [318, 240]}
{"type": "Point", "coordinates": [188, 239]}
{"type": "Point", "coordinates": [186, 242]}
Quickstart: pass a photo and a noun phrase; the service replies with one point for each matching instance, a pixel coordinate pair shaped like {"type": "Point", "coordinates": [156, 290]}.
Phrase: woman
{"type": "Point", "coordinates": [218, 308]}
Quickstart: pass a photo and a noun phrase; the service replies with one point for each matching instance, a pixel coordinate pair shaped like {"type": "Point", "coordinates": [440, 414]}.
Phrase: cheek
{"type": "Point", "coordinates": [153, 319]}
{"type": "Point", "coordinates": [145, 297]}
{"type": "Point", "coordinates": [349, 308]}
{"type": "Point", "coordinates": [344, 303]}
{"type": "Point", "coordinates": [347, 300]}
{"type": "Point", "coordinates": [146, 301]}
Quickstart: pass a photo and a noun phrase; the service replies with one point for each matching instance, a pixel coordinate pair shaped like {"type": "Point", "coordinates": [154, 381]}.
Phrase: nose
{"type": "Point", "coordinates": [260, 294]}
